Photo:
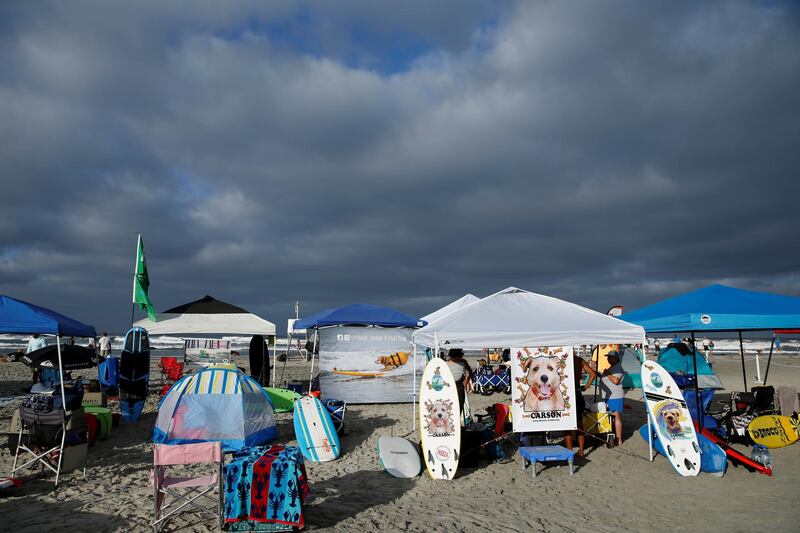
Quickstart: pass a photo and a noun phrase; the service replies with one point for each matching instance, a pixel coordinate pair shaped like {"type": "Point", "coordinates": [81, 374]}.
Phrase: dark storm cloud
{"type": "Point", "coordinates": [401, 155]}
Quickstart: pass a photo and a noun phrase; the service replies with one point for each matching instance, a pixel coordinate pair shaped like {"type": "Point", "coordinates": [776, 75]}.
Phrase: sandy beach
{"type": "Point", "coordinates": [612, 490]}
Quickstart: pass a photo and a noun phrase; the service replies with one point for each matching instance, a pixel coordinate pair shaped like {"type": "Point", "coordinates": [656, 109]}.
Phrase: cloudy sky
{"type": "Point", "coordinates": [400, 154]}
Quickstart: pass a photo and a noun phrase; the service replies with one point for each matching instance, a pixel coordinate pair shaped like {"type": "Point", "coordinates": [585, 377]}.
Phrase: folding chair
{"type": "Point", "coordinates": [165, 455]}
{"type": "Point", "coordinates": [56, 440]}
{"type": "Point", "coordinates": [171, 371]}
{"type": "Point", "coordinates": [337, 409]}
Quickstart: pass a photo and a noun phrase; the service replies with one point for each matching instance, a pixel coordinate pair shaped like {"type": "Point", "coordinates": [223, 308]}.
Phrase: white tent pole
{"type": "Point", "coordinates": [61, 373]}
{"type": "Point", "coordinates": [414, 404]}
{"type": "Point", "coordinates": [435, 344]}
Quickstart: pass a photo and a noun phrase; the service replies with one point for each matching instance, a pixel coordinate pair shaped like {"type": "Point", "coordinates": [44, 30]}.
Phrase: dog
{"type": "Point", "coordinates": [671, 416]}
{"type": "Point", "coordinates": [544, 385]}
{"type": "Point", "coordinates": [395, 360]}
{"type": "Point", "coordinates": [439, 417]}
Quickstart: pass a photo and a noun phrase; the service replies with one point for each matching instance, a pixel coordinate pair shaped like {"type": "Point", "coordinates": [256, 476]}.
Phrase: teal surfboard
{"type": "Point", "coordinates": [314, 431]}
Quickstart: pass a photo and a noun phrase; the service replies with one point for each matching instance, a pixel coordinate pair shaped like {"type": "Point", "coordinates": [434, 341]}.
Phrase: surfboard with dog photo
{"type": "Point", "coordinates": [671, 419]}
{"type": "Point", "coordinates": [439, 420]}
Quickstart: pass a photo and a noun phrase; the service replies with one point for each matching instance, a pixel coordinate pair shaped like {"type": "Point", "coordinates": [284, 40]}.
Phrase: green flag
{"type": "Point", "coordinates": [141, 282]}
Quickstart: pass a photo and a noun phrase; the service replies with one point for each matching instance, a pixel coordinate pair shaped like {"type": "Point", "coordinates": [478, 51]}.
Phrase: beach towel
{"type": "Point", "coordinates": [787, 397]}
{"type": "Point", "coordinates": [263, 486]}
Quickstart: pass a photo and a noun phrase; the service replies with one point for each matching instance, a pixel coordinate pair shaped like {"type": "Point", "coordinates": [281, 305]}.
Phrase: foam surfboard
{"type": "Point", "coordinates": [774, 431]}
{"type": "Point", "coordinates": [439, 420]}
{"type": "Point", "coordinates": [134, 373]}
{"type": "Point", "coordinates": [399, 457]}
{"type": "Point", "coordinates": [314, 430]}
{"type": "Point", "coordinates": [671, 419]}
{"type": "Point", "coordinates": [259, 360]}
{"type": "Point", "coordinates": [712, 458]}
{"type": "Point", "coordinates": [282, 399]}
{"type": "Point", "coordinates": [734, 455]}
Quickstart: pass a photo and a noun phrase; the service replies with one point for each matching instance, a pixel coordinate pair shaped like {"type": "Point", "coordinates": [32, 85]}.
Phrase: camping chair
{"type": "Point", "coordinates": [598, 423]}
{"type": "Point", "coordinates": [192, 488]}
{"type": "Point", "coordinates": [171, 371]}
{"type": "Point", "coordinates": [499, 432]}
{"type": "Point", "coordinates": [337, 409]}
{"type": "Point", "coordinates": [54, 439]}
{"type": "Point", "coordinates": [742, 408]}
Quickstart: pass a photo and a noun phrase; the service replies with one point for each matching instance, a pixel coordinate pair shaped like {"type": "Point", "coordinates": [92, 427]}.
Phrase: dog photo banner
{"type": "Point", "coordinates": [543, 389]}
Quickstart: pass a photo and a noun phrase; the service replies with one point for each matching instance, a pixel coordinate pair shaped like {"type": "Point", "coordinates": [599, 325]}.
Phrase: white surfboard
{"type": "Point", "coordinates": [314, 430]}
{"type": "Point", "coordinates": [399, 457]}
{"type": "Point", "coordinates": [671, 419]}
{"type": "Point", "coordinates": [439, 420]}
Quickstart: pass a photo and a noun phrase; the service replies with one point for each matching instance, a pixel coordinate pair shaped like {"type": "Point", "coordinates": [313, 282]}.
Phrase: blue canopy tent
{"type": "Point", "coordinates": [17, 316]}
{"type": "Point", "coordinates": [353, 315]}
{"type": "Point", "coordinates": [719, 308]}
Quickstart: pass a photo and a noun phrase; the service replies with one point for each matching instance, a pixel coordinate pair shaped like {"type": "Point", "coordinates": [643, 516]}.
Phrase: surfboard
{"type": "Point", "coordinates": [399, 457]}
{"type": "Point", "coordinates": [134, 373]}
{"type": "Point", "coordinates": [439, 420]}
{"type": "Point", "coordinates": [314, 430]}
{"type": "Point", "coordinates": [282, 399]}
{"type": "Point", "coordinates": [358, 374]}
{"type": "Point", "coordinates": [734, 455]}
{"type": "Point", "coordinates": [671, 419]}
{"type": "Point", "coordinates": [259, 360]}
{"type": "Point", "coordinates": [774, 431]}
{"type": "Point", "coordinates": [712, 458]}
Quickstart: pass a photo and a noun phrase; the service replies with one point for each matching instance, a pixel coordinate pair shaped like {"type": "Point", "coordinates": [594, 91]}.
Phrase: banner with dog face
{"type": "Point", "coordinates": [543, 391]}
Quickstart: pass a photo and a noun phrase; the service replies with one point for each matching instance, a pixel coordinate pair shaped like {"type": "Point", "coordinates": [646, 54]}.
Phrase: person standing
{"type": "Point", "coordinates": [579, 367]}
{"type": "Point", "coordinates": [105, 345]}
{"type": "Point", "coordinates": [35, 343]}
{"type": "Point", "coordinates": [778, 344]}
{"type": "Point", "coordinates": [462, 374]}
{"type": "Point", "coordinates": [613, 393]}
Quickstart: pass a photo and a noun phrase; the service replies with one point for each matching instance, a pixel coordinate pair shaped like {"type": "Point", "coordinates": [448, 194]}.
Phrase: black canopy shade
{"type": "Point", "coordinates": [207, 305]}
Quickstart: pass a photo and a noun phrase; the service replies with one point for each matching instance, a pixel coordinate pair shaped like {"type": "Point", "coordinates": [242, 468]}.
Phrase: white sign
{"type": "Point", "coordinates": [543, 391]}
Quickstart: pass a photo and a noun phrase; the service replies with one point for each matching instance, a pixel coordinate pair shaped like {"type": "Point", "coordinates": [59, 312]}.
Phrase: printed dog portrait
{"type": "Point", "coordinates": [543, 378]}
{"type": "Point", "coordinates": [669, 418]}
{"type": "Point", "coordinates": [439, 419]}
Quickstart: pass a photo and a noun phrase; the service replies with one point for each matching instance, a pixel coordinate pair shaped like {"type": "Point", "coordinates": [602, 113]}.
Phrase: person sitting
{"type": "Point", "coordinates": [613, 393]}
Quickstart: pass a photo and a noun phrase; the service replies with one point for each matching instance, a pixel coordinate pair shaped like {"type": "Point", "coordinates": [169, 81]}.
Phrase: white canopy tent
{"type": "Point", "coordinates": [207, 316]}
{"type": "Point", "coordinates": [515, 317]}
{"type": "Point", "coordinates": [449, 308]}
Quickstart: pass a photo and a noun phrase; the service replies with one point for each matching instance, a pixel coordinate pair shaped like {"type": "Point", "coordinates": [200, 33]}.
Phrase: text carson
{"type": "Point", "coordinates": [545, 415]}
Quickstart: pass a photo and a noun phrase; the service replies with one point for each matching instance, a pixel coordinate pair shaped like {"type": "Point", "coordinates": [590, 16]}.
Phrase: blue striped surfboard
{"type": "Point", "coordinates": [314, 430]}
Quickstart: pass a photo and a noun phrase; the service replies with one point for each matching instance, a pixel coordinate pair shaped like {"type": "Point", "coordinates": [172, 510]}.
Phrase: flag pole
{"type": "Point", "coordinates": [135, 271]}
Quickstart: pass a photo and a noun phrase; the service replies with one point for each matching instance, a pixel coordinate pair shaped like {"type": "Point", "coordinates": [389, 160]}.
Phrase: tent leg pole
{"type": "Point", "coordinates": [414, 401]}
{"type": "Point", "coordinates": [650, 439]}
{"type": "Point", "coordinates": [769, 360]}
{"type": "Point", "coordinates": [61, 375]}
{"type": "Point", "coordinates": [741, 352]}
{"type": "Point", "coordinates": [758, 368]}
{"type": "Point", "coordinates": [696, 388]}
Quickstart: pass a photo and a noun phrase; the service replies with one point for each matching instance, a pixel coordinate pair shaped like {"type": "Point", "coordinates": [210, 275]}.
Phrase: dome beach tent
{"type": "Point", "coordinates": [516, 317]}
{"type": "Point", "coordinates": [375, 332]}
{"type": "Point", "coordinates": [719, 308]}
{"type": "Point", "coordinates": [676, 362]}
{"type": "Point", "coordinates": [449, 308]}
{"type": "Point", "coordinates": [216, 404]}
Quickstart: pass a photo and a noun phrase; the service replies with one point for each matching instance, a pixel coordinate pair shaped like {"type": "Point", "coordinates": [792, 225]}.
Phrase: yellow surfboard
{"type": "Point", "coordinates": [774, 431]}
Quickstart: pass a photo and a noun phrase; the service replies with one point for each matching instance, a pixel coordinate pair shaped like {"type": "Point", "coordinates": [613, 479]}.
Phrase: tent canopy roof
{"type": "Point", "coordinates": [17, 316]}
{"type": "Point", "coordinates": [207, 316]}
{"type": "Point", "coordinates": [358, 314]}
{"type": "Point", "coordinates": [515, 317]}
{"type": "Point", "coordinates": [449, 308]}
{"type": "Point", "coordinates": [718, 308]}
{"type": "Point", "coordinates": [73, 357]}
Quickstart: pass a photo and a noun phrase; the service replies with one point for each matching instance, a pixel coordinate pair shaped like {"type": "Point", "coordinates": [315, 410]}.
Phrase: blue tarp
{"type": "Point", "coordinates": [361, 315]}
{"type": "Point", "coordinates": [17, 316]}
{"type": "Point", "coordinates": [718, 308]}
